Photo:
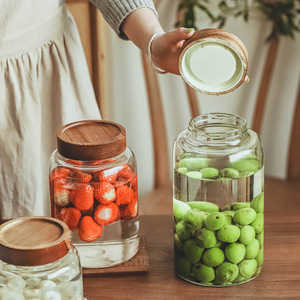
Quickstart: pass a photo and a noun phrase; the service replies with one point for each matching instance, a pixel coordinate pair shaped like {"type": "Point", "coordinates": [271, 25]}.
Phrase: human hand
{"type": "Point", "coordinates": [166, 48]}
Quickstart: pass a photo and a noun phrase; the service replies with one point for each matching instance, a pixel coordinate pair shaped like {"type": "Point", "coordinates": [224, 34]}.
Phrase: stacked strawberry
{"type": "Point", "coordinates": [89, 200]}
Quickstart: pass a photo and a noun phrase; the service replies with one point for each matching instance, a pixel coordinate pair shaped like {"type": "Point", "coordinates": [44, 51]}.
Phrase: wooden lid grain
{"type": "Point", "coordinates": [33, 241]}
{"type": "Point", "coordinates": [91, 140]}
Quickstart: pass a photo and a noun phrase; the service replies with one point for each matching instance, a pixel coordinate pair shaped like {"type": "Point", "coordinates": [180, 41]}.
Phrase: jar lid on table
{"type": "Point", "coordinates": [213, 61]}
{"type": "Point", "coordinates": [91, 140]}
{"type": "Point", "coordinates": [33, 241]}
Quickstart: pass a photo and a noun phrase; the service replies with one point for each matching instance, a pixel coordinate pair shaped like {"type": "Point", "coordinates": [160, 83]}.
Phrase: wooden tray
{"type": "Point", "coordinates": [139, 263]}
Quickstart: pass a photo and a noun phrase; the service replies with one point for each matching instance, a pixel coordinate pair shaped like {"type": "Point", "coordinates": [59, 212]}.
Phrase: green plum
{"type": "Point", "coordinates": [227, 272]}
{"type": "Point", "coordinates": [228, 212]}
{"type": "Point", "coordinates": [258, 203]}
{"type": "Point", "coordinates": [205, 238]}
{"type": "Point", "coordinates": [192, 251]}
{"type": "Point", "coordinates": [247, 267]}
{"type": "Point", "coordinates": [203, 273]}
{"type": "Point", "coordinates": [182, 170]}
{"type": "Point", "coordinates": [246, 165]}
{"type": "Point", "coordinates": [205, 206]}
{"type": "Point", "coordinates": [183, 232]}
{"type": "Point", "coordinates": [194, 174]}
{"type": "Point", "coordinates": [258, 223]}
{"type": "Point", "coordinates": [247, 234]}
{"type": "Point", "coordinates": [235, 252]}
{"type": "Point", "coordinates": [239, 279]}
{"type": "Point", "coordinates": [244, 216]}
{"type": "Point", "coordinates": [194, 219]}
{"type": "Point", "coordinates": [228, 234]}
{"type": "Point", "coordinates": [260, 257]}
{"type": "Point", "coordinates": [229, 172]}
{"type": "Point", "coordinates": [236, 206]}
{"type": "Point", "coordinates": [183, 266]}
{"type": "Point", "coordinates": [213, 257]}
{"type": "Point", "coordinates": [179, 209]}
{"type": "Point", "coordinates": [178, 244]}
{"type": "Point", "coordinates": [260, 238]}
{"type": "Point", "coordinates": [228, 219]}
{"type": "Point", "coordinates": [193, 163]}
{"type": "Point", "coordinates": [252, 249]}
{"type": "Point", "coordinates": [215, 221]}
{"type": "Point", "coordinates": [209, 172]}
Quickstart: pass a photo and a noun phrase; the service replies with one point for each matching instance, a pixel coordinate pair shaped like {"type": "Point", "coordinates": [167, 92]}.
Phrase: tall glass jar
{"type": "Point", "coordinates": [37, 261]}
{"type": "Point", "coordinates": [93, 187]}
{"type": "Point", "coordinates": [218, 201]}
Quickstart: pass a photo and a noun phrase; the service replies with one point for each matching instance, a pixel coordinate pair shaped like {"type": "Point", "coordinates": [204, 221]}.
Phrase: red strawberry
{"type": "Point", "coordinates": [108, 175]}
{"type": "Point", "coordinates": [126, 173]}
{"type": "Point", "coordinates": [82, 196]}
{"type": "Point", "coordinates": [71, 216]}
{"type": "Point", "coordinates": [61, 196]}
{"type": "Point", "coordinates": [134, 183]}
{"type": "Point", "coordinates": [125, 195]}
{"type": "Point", "coordinates": [104, 192]}
{"type": "Point", "coordinates": [82, 177]}
{"type": "Point", "coordinates": [130, 210]}
{"type": "Point", "coordinates": [89, 230]}
{"type": "Point", "coordinates": [60, 172]}
{"type": "Point", "coordinates": [106, 214]}
{"type": "Point", "coordinates": [60, 193]}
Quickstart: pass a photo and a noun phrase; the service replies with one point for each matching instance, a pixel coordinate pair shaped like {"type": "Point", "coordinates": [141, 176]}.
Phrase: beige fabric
{"type": "Point", "coordinates": [44, 84]}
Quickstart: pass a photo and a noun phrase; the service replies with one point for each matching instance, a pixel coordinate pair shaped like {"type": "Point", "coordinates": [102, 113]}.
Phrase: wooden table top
{"type": "Point", "coordinates": [279, 279]}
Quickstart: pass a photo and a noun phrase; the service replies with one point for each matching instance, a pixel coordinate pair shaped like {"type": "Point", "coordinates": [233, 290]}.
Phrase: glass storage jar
{"type": "Point", "coordinates": [37, 261]}
{"type": "Point", "coordinates": [218, 201]}
{"type": "Point", "coordinates": [93, 187]}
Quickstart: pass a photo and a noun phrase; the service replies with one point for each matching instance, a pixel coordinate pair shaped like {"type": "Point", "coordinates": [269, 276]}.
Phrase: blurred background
{"type": "Point", "coordinates": [123, 93]}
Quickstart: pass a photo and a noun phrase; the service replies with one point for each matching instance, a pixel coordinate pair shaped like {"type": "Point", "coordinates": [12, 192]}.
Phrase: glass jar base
{"type": "Point", "coordinates": [208, 284]}
{"type": "Point", "coordinates": [107, 254]}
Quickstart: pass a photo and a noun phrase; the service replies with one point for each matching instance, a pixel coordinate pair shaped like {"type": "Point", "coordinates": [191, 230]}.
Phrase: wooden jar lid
{"type": "Point", "coordinates": [234, 65]}
{"type": "Point", "coordinates": [91, 140]}
{"type": "Point", "coordinates": [33, 241]}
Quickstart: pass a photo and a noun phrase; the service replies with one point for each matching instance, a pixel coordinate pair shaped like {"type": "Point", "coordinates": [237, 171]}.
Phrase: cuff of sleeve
{"type": "Point", "coordinates": [114, 12]}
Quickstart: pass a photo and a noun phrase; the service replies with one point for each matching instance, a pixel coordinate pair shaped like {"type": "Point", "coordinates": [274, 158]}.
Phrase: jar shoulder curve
{"type": "Point", "coordinates": [186, 143]}
{"type": "Point", "coordinates": [127, 157]}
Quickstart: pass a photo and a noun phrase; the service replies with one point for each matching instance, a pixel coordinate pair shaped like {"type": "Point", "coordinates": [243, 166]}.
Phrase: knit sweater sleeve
{"type": "Point", "coordinates": [115, 11]}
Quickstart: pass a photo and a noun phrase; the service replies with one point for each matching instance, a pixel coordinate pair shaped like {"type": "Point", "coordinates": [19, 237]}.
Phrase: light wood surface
{"type": "Point", "coordinates": [280, 278]}
{"type": "Point", "coordinates": [159, 135]}
{"type": "Point", "coordinates": [265, 84]}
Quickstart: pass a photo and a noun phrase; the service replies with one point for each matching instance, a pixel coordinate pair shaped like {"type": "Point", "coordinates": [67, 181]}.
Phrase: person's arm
{"type": "Point", "coordinates": [137, 20]}
{"type": "Point", "coordinates": [141, 24]}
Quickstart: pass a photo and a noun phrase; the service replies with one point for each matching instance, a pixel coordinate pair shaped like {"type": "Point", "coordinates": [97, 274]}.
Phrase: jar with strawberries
{"type": "Point", "coordinates": [93, 189]}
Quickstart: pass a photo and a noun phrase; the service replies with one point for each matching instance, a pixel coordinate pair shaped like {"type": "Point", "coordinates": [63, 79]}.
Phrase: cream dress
{"type": "Point", "coordinates": [44, 84]}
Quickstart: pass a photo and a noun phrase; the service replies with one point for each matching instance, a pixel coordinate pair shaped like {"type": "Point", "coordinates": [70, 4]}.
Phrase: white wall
{"type": "Point", "coordinates": [129, 104]}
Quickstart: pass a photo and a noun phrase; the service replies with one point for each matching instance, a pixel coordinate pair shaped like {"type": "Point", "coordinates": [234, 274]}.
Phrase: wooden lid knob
{"type": "Point", "coordinates": [213, 61]}
{"type": "Point", "coordinates": [33, 241]}
{"type": "Point", "coordinates": [91, 140]}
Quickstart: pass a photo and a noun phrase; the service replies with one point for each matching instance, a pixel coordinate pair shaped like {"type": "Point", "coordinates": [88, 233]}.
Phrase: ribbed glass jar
{"type": "Point", "coordinates": [218, 201]}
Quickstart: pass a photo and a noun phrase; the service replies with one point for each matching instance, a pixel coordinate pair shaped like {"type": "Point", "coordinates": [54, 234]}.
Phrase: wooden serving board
{"type": "Point", "coordinates": [139, 263]}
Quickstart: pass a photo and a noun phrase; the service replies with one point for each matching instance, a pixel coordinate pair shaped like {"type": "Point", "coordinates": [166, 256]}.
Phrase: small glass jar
{"type": "Point", "coordinates": [93, 187]}
{"type": "Point", "coordinates": [218, 201]}
{"type": "Point", "coordinates": [37, 261]}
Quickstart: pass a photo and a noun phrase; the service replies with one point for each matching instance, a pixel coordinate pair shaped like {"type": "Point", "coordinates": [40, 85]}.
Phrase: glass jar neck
{"type": "Point", "coordinates": [217, 129]}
